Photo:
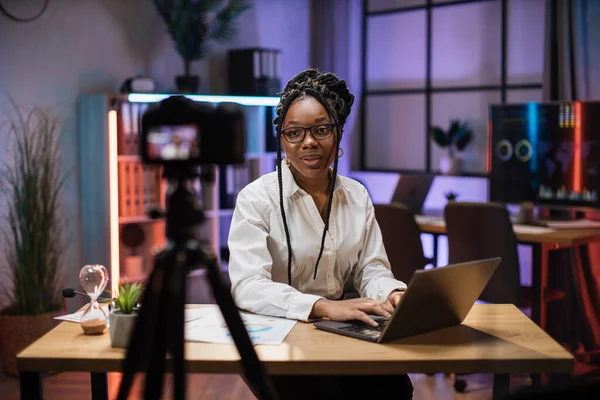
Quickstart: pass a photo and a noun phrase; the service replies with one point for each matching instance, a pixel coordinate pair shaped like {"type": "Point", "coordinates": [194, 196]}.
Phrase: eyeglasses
{"type": "Point", "coordinates": [296, 134]}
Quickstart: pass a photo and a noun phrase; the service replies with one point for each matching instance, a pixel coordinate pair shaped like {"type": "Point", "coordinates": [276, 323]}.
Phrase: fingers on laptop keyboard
{"type": "Point", "coordinates": [388, 307]}
{"type": "Point", "coordinates": [378, 308]}
{"type": "Point", "coordinates": [362, 316]}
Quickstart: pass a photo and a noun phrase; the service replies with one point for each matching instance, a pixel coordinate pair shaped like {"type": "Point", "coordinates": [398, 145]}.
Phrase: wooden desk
{"type": "Point", "coordinates": [496, 339]}
{"type": "Point", "coordinates": [542, 244]}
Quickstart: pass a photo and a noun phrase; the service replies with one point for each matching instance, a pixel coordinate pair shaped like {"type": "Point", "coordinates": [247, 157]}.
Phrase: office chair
{"type": "Point", "coordinates": [402, 241]}
{"type": "Point", "coordinates": [484, 230]}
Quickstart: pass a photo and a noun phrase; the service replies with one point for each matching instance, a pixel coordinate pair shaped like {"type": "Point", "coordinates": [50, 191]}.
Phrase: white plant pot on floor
{"type": "Point", "coordinates": [450, 165]}
{"type": "Point", "coordinates": [120, 328]}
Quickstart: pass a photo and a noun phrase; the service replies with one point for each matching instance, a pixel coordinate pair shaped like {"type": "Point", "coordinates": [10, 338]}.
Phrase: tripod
{"type": "Point", "coordinates": [159, 328]}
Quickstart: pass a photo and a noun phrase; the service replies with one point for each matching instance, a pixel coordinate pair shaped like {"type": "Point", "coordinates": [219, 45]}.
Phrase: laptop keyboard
{"type": "Point", "coordinates": [363, 327]}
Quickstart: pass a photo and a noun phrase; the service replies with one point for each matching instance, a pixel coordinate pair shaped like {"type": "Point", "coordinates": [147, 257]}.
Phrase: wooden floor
{"type": "Point", "coordinates": [76, 386]}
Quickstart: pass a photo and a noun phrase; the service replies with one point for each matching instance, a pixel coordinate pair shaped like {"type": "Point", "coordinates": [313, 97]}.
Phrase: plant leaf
{"type": "Point", "coordinates": [33, 228]}
{"type": "Point", "coordinates": [439, 136]}
{"type": "Point", "coordinates": [453, 130]}
{"type": "Point", "coordinates": [463, 139]}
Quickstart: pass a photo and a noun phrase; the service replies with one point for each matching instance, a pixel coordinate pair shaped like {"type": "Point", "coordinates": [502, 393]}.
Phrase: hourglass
{"type": "Point", "coordinates": [94, 279]}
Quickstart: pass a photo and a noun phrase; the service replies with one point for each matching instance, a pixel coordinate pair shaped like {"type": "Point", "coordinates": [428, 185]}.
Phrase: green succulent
{"type": "Point", "coordinates": [458, 136]}
{"type": "Point", "coordinates": [129, 294]}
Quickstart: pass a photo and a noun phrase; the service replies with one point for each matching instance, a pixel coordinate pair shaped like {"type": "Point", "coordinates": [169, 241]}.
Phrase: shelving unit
{"type": "Point", "coordinates": [117, 190]}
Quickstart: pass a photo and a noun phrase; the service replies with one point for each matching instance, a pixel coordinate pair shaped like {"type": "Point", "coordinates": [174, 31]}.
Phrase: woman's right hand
{"type": "Point", "coordinates": [352, 309]}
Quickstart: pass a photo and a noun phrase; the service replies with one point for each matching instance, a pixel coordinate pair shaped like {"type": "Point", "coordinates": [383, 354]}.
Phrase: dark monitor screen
{"type": "Point", "coordinates": [545, 153]}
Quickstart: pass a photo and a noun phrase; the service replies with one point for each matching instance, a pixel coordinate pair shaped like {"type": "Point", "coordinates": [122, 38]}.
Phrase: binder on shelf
{"type": "Point", "coordinates": [256, 118]}
{"type": "Point", "coordinates": [124, 128]}
{"type": "Point", "coordinates": [254, 72]}
{"type": "Point", "coordinates": [134, 129]}
{"type": "Point", "coordinates": [139, 188]}
{"type": "Point", "coordinates": [226, 187]}
{"type": "Point", "coordinates": [122, 172]}
{"type": "Point", "coordinates": [270, 131]}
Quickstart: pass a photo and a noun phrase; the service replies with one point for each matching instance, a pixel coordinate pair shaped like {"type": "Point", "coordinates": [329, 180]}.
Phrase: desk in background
{"type": "Point", "coordinates": [494, 338]}
{"type": "Point", "coordinates": [542, 241]}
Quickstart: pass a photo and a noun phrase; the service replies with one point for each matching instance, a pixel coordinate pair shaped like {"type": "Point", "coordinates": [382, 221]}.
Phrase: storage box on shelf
{"type": "Point", "coordinates": [117, 189]}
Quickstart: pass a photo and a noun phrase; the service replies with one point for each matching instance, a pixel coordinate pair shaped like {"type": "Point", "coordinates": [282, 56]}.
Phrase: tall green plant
{"type": "Point", "coordinates": [193, 24]}
{"type": "Point", "coordinates": [31, 183]}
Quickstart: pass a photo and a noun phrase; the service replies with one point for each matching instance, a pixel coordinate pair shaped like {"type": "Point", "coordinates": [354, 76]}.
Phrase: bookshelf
{"type": "Point", "coordinates": [116, 189]}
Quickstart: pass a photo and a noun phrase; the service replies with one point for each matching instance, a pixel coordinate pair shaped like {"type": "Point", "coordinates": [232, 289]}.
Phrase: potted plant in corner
{"type": "Point", "coordinates": [193, 24]}
{"type": "Point", "coordinates": [32, 226]}
{"type": "Point", "coordinates": [456, 138]}
{"type": "Point", "coordinates": [122, 317]}
{"type": "Point", "coordinates": [451, 196]}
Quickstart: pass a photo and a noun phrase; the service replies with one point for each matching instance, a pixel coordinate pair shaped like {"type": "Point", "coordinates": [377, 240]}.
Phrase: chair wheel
{"type": "Point", "coordinates": [460, 385]}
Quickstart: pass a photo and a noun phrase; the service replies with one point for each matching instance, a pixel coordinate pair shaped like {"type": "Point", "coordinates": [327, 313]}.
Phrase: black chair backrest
{"type": "Point", "coordinates": [484, 230]}
{"type": "Point", "coordinates": [401, 238]}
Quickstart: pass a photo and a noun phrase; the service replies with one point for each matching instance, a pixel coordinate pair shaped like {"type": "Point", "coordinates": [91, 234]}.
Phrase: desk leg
{"type": "Point", "coordinates": [435, 249]}
{"type": "Point", "coordinates": [99, 385]}
{"type": "Point", "coordinates": [501, 386]}
{"type": "Point", "coordinates": [30, 385]}
{"type": "Point", "coordinates": [539, 283]}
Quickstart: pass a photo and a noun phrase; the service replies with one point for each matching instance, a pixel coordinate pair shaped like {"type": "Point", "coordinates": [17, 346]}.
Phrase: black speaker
{"type": "Point", "coordinates": [254, 72]}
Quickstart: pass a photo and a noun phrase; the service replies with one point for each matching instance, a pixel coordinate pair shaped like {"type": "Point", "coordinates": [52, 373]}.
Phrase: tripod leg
{"type": "Point", "coordinates": [176, 333]}
{"type": "Point", "coordinates": [154, 383]}
{"type": "Point", "coordinates": [143, 331]}
{"type": "Point", "coordinates": [254, 370]}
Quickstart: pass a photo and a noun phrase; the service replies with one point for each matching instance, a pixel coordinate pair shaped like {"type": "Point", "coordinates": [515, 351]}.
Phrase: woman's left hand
{"type": "Point", "coordinates": [394, 297]}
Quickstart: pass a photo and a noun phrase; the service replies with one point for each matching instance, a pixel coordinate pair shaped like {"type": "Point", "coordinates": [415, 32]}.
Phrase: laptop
{"type": "Point", "coordinates": [436, 298]}
{"type": "Point", "coordinates": [412, 190]}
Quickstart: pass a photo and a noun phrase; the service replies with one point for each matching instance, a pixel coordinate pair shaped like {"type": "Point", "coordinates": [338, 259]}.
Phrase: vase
{"type": "Point", "coordinates": [121, 326]}
{"type": "Point", "coordinates": [450, 165]}
{"type": "Point", "coordinates": [18, 332]}
{"type": "Point", "coordinates": [187, 84]}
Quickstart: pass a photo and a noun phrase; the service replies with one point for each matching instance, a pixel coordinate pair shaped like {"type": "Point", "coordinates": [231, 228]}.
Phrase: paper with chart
{"type": "Point", "coordinates": [206, 324]}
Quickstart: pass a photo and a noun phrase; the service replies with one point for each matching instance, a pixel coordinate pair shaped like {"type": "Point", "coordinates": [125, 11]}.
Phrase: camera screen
{"type": "Point", "coordinates": [173, 142]}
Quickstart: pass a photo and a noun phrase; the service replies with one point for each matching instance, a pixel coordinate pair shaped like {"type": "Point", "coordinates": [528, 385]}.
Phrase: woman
{"type": "Point", "coordinates": [298, 234]}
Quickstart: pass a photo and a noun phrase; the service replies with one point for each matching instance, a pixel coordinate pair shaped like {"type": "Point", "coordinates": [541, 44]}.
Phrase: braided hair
{"type": "Point", "coordinates": [333, 93]}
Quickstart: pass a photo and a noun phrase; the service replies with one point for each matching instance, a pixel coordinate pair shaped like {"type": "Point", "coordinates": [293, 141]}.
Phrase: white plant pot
{"type": "Point", "coordinates": [121, 326]}
{"type": "Point", "coordinates": [450, 165]}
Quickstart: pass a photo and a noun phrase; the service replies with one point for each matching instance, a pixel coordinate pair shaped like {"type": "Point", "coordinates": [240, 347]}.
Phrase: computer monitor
{"type": "Point", "coordinates": [545, 153]}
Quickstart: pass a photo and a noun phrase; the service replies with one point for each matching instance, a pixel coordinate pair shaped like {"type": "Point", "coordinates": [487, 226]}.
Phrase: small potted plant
{"type": "Point", "coordinates": [122, 317]}
{"type": "Point", "coordinates": [451, 196]}
{"type": "Point", "coordinates": [456, 138]}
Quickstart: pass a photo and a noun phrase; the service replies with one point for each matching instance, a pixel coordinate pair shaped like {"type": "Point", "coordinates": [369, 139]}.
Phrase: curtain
{"type": "Point", "coordinates": [335, 47]}
{"type": "Point", "coordinates": [572, 73]}
{"type": "Point", "coordinates": [572, 59]}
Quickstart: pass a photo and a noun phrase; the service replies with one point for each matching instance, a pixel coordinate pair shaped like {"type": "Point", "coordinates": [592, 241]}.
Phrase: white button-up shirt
{"type": "Point", "coordinates": [258, 249]}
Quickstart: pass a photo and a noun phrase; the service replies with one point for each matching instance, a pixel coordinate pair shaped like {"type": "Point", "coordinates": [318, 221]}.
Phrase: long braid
{"type": "Point", "coordinates": [329, 203]}
{"type": "Point", "coordinates": [330, 111]}
{"type": "Point", "coordinates": [285, 225]}
{"type": "Point", "coordinates": [333, 94]}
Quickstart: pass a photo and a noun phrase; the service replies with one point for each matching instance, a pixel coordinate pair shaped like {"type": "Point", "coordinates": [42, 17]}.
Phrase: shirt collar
{"type": "Point", "coordinates": [290, 187]}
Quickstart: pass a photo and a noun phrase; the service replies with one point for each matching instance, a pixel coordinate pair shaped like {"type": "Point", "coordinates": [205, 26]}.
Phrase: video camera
{"type": "Point", "coordinates": [180, 133]}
